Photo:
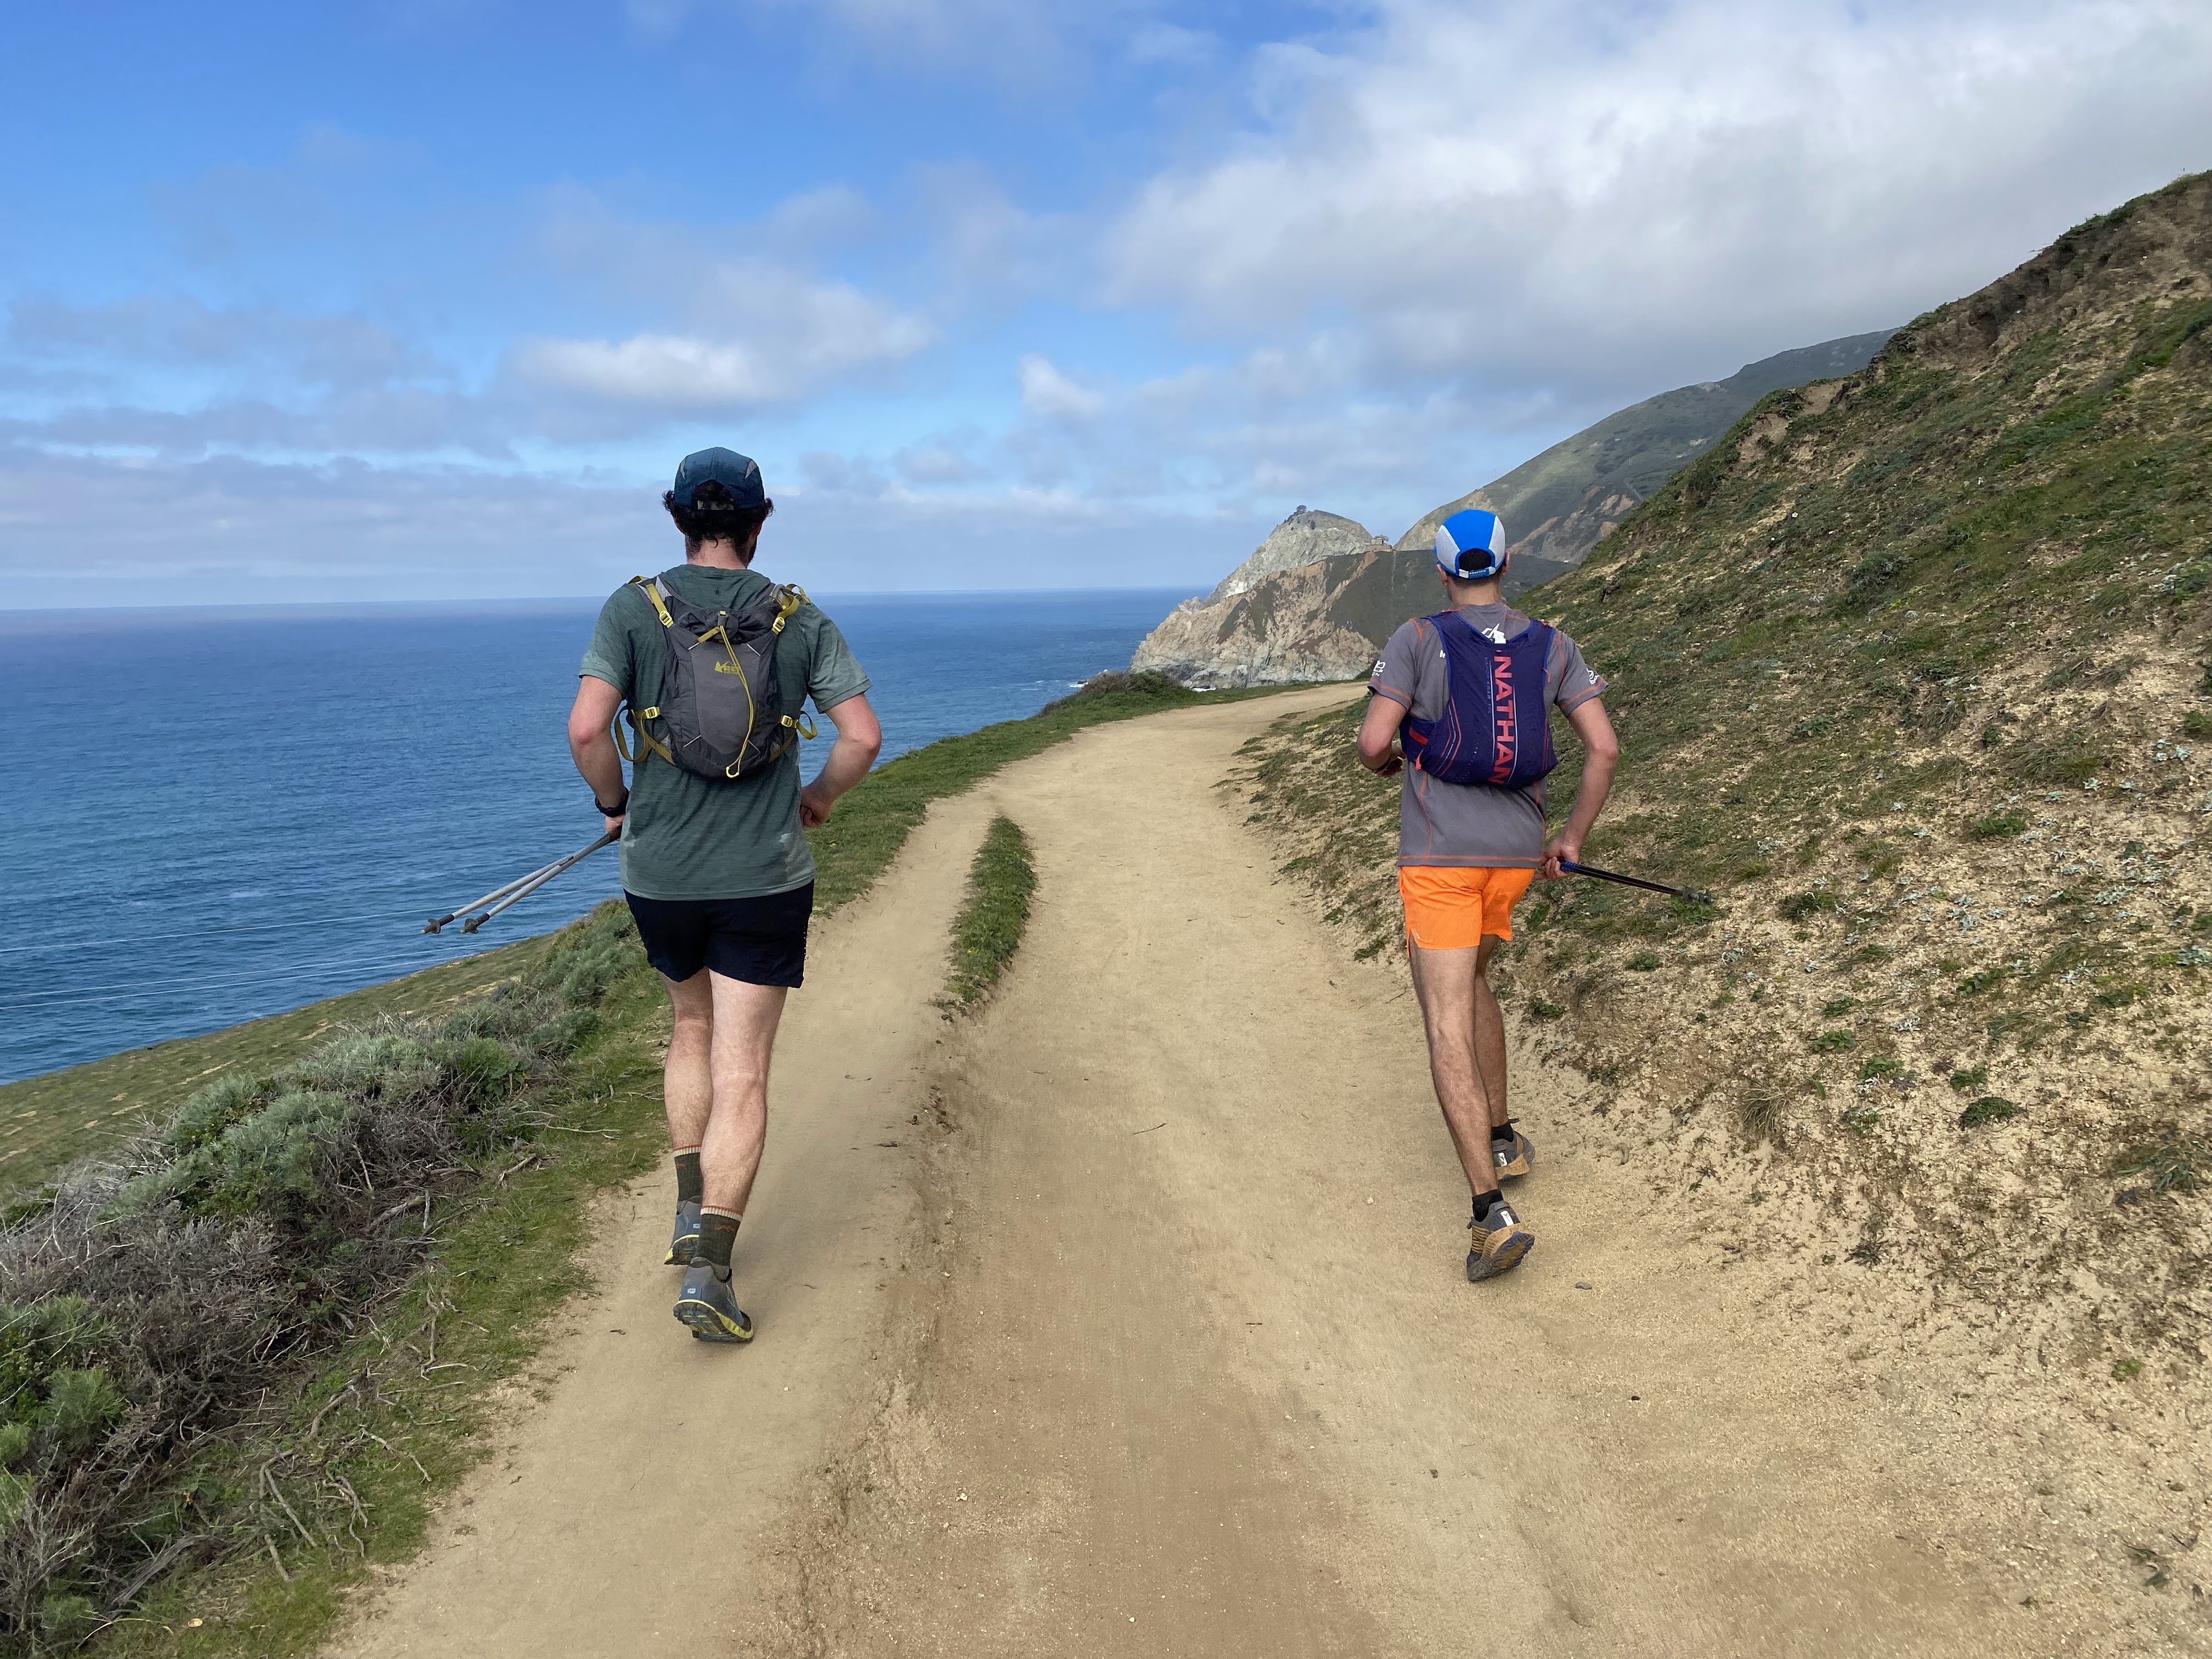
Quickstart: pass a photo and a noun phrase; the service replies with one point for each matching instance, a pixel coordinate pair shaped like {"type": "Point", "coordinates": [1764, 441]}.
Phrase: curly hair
{"type": "Point", "coordinates": [713, 516]}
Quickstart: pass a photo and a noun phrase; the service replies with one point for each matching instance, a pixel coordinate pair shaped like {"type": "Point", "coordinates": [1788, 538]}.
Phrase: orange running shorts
{"type": "Point", "coordinates": [1448, 907]}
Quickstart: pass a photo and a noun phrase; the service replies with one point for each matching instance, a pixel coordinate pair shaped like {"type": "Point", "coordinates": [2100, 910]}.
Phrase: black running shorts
{"type": "Point", "coordinates": [761, 941]}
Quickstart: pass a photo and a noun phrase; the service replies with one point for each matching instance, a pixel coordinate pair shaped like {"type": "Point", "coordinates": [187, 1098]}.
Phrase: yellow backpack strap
{"type": "Point", "coordinates": [637, 718]}
{"type": "Point", "coordinates": [650, 587]}
{"type": "Point", "coordinates": [794, 597]}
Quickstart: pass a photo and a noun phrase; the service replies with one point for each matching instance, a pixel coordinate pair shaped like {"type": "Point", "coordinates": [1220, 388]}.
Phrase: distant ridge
{"type": "Point", "coordinates": [1560, 504]}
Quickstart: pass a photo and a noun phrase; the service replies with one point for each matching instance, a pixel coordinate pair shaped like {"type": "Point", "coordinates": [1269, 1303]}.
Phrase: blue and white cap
{"type": "Point", "coordinates": [1471, 544]}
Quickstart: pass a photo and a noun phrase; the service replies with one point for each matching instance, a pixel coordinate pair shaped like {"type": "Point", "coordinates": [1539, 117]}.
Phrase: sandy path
{"type": "Point", "coordinates": [638, 1507]}
{"type": "Point", "coordinates": [1164, 1345]}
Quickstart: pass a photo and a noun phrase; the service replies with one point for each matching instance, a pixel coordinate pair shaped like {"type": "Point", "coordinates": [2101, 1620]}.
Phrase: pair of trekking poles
{"type": "Point", "coordinates": [515, 892]}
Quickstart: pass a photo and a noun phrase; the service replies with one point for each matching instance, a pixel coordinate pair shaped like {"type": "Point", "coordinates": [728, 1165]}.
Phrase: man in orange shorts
{"type": "Point", "coordinates": [1467, 694]}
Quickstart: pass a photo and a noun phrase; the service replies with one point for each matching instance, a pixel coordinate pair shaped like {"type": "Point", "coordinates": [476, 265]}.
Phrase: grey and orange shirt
{"type": "Point", "coordinates": [1476, 825]}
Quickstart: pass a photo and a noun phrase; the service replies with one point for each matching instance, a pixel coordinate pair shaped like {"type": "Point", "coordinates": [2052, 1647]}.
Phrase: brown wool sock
{"type": "Point", "coordinates": [718, 1231]}
{"type": "Point", "coordinates": [690, 1185]}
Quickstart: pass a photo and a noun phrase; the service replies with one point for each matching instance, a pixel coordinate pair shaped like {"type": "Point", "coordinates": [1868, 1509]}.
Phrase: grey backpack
{"type": "Point", "coordinates": [722, 712]}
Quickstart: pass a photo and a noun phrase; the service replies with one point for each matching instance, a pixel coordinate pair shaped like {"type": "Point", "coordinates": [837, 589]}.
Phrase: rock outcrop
{"type": "Point", "coordinates": [1307, 537]}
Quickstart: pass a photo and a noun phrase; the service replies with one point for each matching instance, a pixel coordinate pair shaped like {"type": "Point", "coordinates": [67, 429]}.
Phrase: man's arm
{"type": "Point", "coordinates": [1601, 754]}
{"type": "Point", "coordinates": [591, 743]}
{"type": "Point", "coordinates": [1378, 734]}
{"type": "Point", "coordinates": [859, 739]}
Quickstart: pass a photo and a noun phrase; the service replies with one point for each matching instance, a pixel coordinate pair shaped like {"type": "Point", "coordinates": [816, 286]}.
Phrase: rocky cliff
{"type": "Point", "coordinates": [1307, 537]}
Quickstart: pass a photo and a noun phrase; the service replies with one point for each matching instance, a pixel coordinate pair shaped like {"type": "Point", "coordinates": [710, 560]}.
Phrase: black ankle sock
{"type": "Point", "coordinates": [1501, 1131]}
{"type": "Point", "coordinates": [718, 1231]}
{"type": "Point", "coordinates": [690, 1185]}
{"type": "Point", "coordinates": [1483, 1202]}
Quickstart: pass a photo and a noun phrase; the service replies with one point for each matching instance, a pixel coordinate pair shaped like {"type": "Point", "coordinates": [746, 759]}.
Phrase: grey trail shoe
{"type": "Point", "coordinates": [1500, 1242]}
{"type": "Point", "coordinates": [1514, 1157]}
{"type": "Point", "coordinates": [685, 1243]}
{"type": "Point", "coordinates": [709, 1307]}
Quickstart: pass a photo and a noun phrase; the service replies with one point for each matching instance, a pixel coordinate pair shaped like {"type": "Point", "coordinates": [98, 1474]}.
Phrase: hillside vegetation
{"type": "Point", "coordinates": [1912, 671]}
{"type": "Point", "coordinates": [1558, 505]}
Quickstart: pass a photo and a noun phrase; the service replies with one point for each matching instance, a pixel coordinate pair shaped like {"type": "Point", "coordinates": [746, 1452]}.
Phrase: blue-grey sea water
{"type": "Point", "coordinates": [211, 816]}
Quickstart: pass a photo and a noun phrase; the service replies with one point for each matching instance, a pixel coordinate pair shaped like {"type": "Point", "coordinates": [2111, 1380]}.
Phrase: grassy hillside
{"type": "Point", "coordinates": [1556, 505]}
{"type": "Point", "coordinates": [1912, 671]}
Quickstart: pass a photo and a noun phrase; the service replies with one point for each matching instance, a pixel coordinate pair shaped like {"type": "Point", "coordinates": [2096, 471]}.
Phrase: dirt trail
{"type": "Point", "coordinates": [1162, 1344]}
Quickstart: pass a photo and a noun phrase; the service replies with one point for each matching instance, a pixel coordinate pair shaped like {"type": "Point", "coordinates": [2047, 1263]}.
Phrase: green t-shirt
{"type": "Point", "coordinates": [690, 837]}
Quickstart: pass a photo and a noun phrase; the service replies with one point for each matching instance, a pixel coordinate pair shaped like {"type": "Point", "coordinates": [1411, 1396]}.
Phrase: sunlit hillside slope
{"type": "Point", "coordinates": [1911, 671]}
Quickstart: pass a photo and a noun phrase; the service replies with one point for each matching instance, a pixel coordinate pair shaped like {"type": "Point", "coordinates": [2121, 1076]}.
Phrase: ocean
{"type": "Point", "coordinates": [215, 815]}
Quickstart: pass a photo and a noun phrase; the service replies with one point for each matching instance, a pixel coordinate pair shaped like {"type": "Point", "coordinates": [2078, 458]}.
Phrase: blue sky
{"type": "Point", "coordinates": [425, 297]}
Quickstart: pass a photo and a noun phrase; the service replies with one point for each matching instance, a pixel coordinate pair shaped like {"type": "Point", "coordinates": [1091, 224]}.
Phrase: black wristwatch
{"type": "Point", "coordinates": [613, 812]}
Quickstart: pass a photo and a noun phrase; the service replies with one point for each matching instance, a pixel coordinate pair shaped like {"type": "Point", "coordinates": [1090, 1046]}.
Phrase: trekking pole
{"type": "Point", "coordinates": [501, 897]}
{"type": "Point", "coordinates": [460, 910]}
{"type": "Point", "coordinates": [1689, 893]}
{"type": "Point", "coordinates": [532, 883]}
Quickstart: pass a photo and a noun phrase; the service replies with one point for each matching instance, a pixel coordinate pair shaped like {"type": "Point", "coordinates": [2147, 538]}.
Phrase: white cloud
{"type": "Point", "coordinates": [669, 369]}
{"type": "Point", "coordinates": [1048, 394]}
{"type": "Point", "coordinates": [799, 338]}
{"type": "Point", "coordinates": [1571, 192]}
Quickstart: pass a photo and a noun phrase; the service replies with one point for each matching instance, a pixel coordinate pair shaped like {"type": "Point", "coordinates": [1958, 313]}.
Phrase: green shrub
{"type": "Point", "coordinates": [214, 1109]}
{"type": "Point", "coordinates": [1965, 1082]}
{"type": "Point", "coordinates": [1998, 826]}
{"type": "Point", "coordinates": [2175, 1162]}
{"type": "Point", "coordinates": [2060, 758]}
{"type": "Point", "coordinates": [1989, 1108]}
{"type": "Point", "coordinates": [368, 1066]}
{"type": "Point", "coordinates": [1830, 1043]}
{"type": "Point", "coordinates": [81, 1406]}
{"type": "Point", "coordinates": [263, 1163]}
{"type": "Point", "coordinates": [1643, 961]}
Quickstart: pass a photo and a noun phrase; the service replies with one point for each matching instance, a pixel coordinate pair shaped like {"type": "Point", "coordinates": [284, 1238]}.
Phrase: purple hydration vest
{"type": "Point", "coordinates": [1496, 727]}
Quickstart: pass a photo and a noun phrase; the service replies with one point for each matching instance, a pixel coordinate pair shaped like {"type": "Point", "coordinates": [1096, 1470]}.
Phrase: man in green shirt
{"type": "Point", "coordinates": [717, 872]}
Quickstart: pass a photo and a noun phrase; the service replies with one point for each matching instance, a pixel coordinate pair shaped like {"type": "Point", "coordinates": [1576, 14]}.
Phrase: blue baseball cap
{"type": "Point", "coordinates": [738, 474]}
{"type": "Point", "coordinates": [1471, 544]}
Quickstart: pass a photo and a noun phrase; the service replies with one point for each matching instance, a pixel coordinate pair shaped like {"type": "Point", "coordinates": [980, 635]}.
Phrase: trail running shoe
{"type": "Point", "coordinates": [709, 1307]}
{"type": "Point", "coordinates": [1514, 1157]}
{"type": "Point", "coordinates": [685, 1243]}
{"type": "Point", "coordinates": [1500, 1241]}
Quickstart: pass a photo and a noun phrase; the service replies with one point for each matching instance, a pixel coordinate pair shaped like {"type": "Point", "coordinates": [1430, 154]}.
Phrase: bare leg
{"type": "Point", "coordinates": [745, 1021]}
{"type": "Point", "coordinates": [1445, 981]}
{"type": "Point", "coordinates": [1490, 1033]}
{"type": "Point", "coordinates": [686, 1078]}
